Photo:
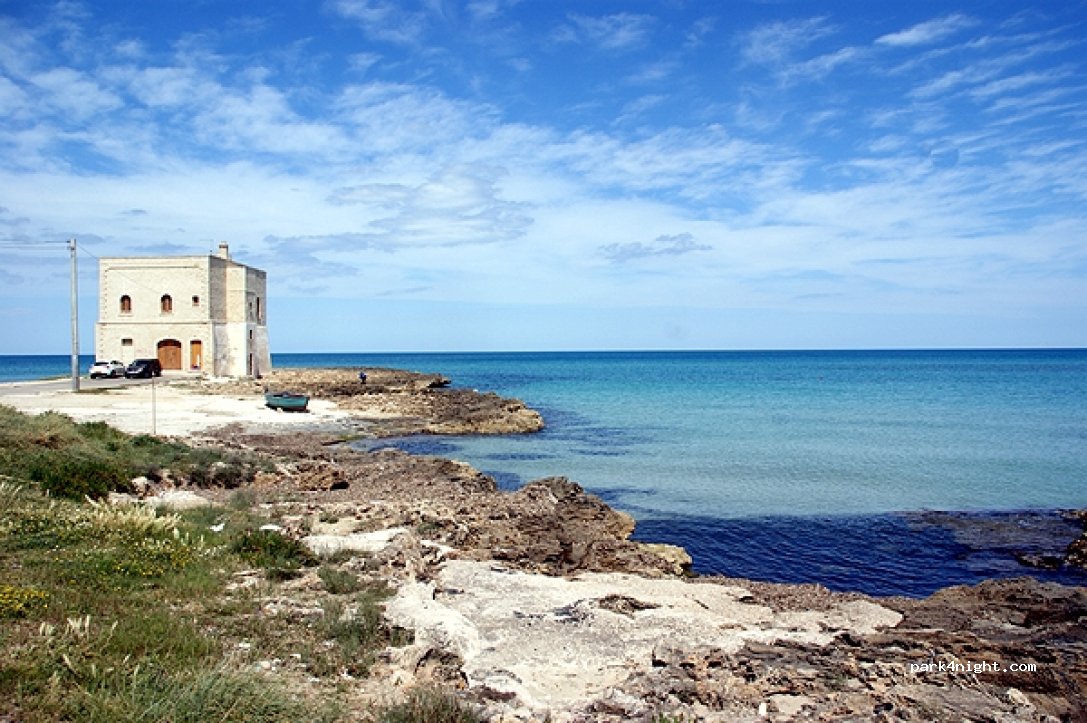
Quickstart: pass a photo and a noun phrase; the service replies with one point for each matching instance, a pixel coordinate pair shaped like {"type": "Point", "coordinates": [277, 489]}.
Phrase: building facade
{"type": "Point", "coordinates": [199, 313]}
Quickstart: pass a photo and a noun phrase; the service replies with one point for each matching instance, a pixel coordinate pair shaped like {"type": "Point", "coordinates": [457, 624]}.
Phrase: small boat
{"type": "Point", "coordinates": [287, 401]}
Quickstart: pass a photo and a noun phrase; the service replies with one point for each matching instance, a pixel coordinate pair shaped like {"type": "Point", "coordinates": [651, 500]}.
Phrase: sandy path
{"type": "Point", "coordinates": [169, 408]}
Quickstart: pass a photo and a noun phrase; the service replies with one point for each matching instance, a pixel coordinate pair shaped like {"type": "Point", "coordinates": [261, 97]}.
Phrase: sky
{"type": "Point", "coordinates": [478, 175]}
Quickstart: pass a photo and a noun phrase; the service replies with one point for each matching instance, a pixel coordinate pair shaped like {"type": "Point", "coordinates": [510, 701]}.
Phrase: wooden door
{"type": "Point", "coordinates": [196, 354]}
{"type": "Point", "coordinates": [170, 354]}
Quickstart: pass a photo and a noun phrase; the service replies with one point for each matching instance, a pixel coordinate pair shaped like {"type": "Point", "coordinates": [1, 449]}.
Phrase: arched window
{"type": "Point", "coordinates": [126, 304]}
{"type": "Point", "coordinates": [167, 303]}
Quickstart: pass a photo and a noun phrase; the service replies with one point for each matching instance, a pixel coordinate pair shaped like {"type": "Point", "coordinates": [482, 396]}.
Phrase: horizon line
{"type": "Point", "coordinates": [641, 350]}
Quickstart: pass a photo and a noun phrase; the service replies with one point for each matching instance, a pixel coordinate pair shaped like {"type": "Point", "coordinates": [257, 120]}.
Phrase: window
{"type": "Point", "coordinates": [126, 304]}
{"type": "Point", "coordinates": [196, 301]}
{"type": "Point", "coordinates": [167, 303]}
{"type": "Point", "coordinates": [126, 342]}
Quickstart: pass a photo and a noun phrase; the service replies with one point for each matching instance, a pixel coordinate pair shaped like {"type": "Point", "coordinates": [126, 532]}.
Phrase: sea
{"type": "Point", "coordinates": [884, 472]}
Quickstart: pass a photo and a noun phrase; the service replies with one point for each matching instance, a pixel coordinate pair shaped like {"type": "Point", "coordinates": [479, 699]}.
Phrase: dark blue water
{"type": "Point", "coordinates": [19, 368]}
{"type": "Point", "coordinates": [798, 466]}
{"type": "Point", "coordinates": [912, 554]}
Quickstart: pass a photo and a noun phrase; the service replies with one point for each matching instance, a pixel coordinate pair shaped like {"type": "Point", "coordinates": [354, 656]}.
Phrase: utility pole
{"type": "Point", "coordinates": [75, 318]}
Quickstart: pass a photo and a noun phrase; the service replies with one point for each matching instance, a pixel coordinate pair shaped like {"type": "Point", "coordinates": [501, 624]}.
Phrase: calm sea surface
{"type": "Point", "coordinates": [797, 466]}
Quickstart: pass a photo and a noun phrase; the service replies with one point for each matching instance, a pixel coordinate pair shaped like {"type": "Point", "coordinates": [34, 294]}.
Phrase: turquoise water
{"type": "Point", "coordinates": [797, 466]}
{"type": "Point", "coordinates": [752, 434]}
{"type": "Point", "coordinates": [806, 466]}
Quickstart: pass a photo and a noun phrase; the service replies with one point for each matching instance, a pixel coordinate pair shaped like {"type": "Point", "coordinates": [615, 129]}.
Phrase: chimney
{"type": "Point", "coordinates": [224, 250]}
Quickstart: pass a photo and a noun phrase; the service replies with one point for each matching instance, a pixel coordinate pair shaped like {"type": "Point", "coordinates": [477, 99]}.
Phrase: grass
{"type": "Point", "coordinates": [339, 582]}
{"type": "Point", "coordinates": [124, 614]}
{"type": "Point", "coordinates": [429, 705]}
{"type": "Point", "coordinates": [92, 459]}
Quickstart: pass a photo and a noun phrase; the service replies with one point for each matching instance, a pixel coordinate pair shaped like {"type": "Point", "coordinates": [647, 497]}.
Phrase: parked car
{"type": "Point", "coordinates": [107, 369]}
{"type": "Point", "coordinates": [144, 368]}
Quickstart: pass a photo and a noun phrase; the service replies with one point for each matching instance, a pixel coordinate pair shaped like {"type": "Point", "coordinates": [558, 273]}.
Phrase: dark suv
{"type": "Point", "coordinates": [145, 368]}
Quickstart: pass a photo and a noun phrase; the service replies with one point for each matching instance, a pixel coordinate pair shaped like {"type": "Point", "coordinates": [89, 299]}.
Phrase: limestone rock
{"type": "Point", "coordinates": [177, 500]}
{"type": "Point", "coordinates": [360, 542]}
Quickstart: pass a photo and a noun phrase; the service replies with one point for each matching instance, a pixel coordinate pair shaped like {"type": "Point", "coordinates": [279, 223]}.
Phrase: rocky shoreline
{"type": "Point", "coordinates": [538, 606]}
{"type": "Point", "coordinates": [393, 402]}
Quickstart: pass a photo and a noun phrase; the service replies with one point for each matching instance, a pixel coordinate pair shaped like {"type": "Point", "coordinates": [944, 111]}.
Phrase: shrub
{"type": "Point", "coordinates": [101, 432]}
{"type": "Point", "coordinates": [429, 705]}
{"type": "Point", "coordinates": [241, 500]}
{"type": "Point", "coordinates": [17, 602]}
{"type": "Point", "coordinates": [338, 582]}
{"type": "Point", "coordinates": [75, 475]}
{"type": "Point", "coordinates": [279, 555]}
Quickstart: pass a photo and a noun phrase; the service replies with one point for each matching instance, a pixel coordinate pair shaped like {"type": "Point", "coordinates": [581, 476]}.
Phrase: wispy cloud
{"type": "Point", "coordinates": [928, 32]}
{"type": "Point", "coordinates": [621, 31]}
{"type": "Point", "coordinates": [383, 20]}
{"type": "Point", "coordinates": [73, 93]}
{"type": "Point", "coordinates": [638, 106]}
{"type": "Point", "coordinates": [660, 153]}
{"type": "Point", "coordinates": [778, 42]}
{"type": "Point", "coordinates": [822, 65]}
{"type": "Point", "coordinates": [700, 30]}
{"type": "Point", "coordinates": [677, 245]}
{"type": "Point", "coordinates": [456, 207]}
{"type": "Point", "coordinates": [1018, 82]}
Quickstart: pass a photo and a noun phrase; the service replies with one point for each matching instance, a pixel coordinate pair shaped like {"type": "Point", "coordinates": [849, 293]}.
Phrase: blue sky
{"type": "Point", "coordinates": [537, 174]}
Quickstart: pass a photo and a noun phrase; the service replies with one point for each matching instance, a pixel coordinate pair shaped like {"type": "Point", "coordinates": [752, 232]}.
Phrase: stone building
{"type": "Point", "coordinates": [200, 313]}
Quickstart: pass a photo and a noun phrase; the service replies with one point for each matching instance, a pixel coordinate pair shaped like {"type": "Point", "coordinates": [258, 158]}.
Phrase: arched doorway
{"type": "Point", "coordinates": [169, 353]}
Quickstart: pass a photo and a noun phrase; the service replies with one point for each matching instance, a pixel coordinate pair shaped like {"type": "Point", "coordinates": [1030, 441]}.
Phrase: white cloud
{"type": "Point", "coordinates": [927, 32]}
{"type": "Point", "coordinates": [821, 65]}
{"type": "Point", "coordinates": [776, 43]}
{"type": "Point", "coordinates": [1021, 81]}
{"type": "Point", "coordinates": [697, 163]}
{"type": "Point", "coordinates": [621, 31]}
{"type": "Point", "coordinates": [640, 105]}
{"type": "Point", "coordinates": [676, 245]}
{"type": "Point", "coordinates": [455, 207]}
{"type": "Point", "coordinates": [362, 62]}
{"type": "Point", "coordinates": [401, 118]}
{"type": "Point", "coordinates": [973, 74]}
{"type": "Point", "coordinates": [262, 120]}
{"type": "Point", "coordinates": [468, 182]}
{"type": "Point", "coordinates": [656, 72]}
{"type": "Point", "coordinates": [386, 21]}
{"type": "Point", "coordinates": [12, 98]}
{"type": "Point", "coordinates": [173, 87]}
{"type": "Point", "coordinates": [73, 93]}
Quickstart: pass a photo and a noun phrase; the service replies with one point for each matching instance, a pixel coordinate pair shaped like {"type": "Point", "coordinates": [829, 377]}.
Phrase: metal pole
{"type": "Point", "coordinates": [154, 410]}
{"type": "Point", "coordinates": [75, 317]}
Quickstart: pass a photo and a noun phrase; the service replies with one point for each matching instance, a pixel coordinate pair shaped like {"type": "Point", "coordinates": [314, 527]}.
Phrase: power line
{"type": "Point", "coordinates": [28, 244]}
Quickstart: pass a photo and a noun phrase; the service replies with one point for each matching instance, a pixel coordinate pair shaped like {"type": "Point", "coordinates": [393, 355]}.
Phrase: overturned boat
{"type": "Point", "coordinates": [287, 401]}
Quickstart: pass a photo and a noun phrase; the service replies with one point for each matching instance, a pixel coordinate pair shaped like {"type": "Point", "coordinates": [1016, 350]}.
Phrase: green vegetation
{"type": "Point", "coordinates": [282, 557]}
{"type": "Point", "coordinates": [337, 581]}
{"type": "Point", "coordinates": [122, 613]}
{"type": "Point", "coordinates": [92, 459]}
{"type": "Point", "coordinates": [430, 705]}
